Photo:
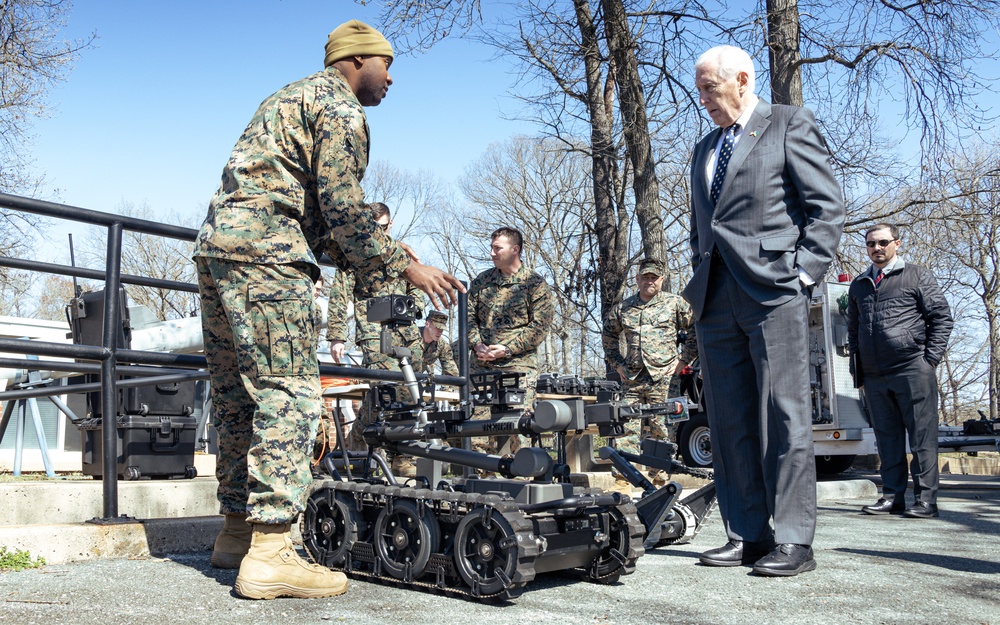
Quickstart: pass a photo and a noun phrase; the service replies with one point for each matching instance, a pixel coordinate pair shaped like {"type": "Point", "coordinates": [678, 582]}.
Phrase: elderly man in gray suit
{"type": "Point", "coordinates": [766, 217]}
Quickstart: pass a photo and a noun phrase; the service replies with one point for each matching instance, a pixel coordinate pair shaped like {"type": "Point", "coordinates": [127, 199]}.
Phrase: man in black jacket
{"type": "Point", "coordinates": [898, 324]}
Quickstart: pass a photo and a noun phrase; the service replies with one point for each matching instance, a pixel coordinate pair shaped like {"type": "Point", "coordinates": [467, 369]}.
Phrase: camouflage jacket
{"type": "Point", "coordinates": [515, 311]}
{"type": "Point", "coordinates": [292, 187]}
{"type": "Point", "coordinates": [650, 331]}
{"type": "Point", "coordinates": [344, 290]}
{"type": "Point", "coordinates": [439, 351]}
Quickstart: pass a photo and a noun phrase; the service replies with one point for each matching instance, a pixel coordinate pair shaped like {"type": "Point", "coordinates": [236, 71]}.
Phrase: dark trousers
{"type": "Point", "coordinates": [904, 405]}
{"type": "Point", "coordinates": [754, 361]}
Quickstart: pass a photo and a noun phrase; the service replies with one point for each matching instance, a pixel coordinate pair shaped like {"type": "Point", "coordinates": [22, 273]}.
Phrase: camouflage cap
{"type": "Point", "coordinates": [651, 265]}
{"type": "Point", "coordinates": [437, 319]}
{"type": "Point", "coordinates": [355, 38]}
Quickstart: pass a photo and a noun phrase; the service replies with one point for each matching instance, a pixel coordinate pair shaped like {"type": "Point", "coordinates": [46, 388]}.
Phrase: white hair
{"type": "Point", "coordinates": [728, 61]}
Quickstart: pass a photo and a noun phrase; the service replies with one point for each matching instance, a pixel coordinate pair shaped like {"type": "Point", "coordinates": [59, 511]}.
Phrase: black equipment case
{"type": "Point", "coordinates": [173, 399]}
{"type": "Point", "coordinates": [170, 400]}
{"type": "Point", "coordinates": [159, 446]}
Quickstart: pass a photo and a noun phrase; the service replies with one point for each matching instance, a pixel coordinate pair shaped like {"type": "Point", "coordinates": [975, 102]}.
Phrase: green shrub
{"type": "Point", "coordinates": [18, 560]}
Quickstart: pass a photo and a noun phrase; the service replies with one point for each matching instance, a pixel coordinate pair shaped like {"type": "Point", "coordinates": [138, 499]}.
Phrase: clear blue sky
{"type": "Point", "coordinates": [150, 113]}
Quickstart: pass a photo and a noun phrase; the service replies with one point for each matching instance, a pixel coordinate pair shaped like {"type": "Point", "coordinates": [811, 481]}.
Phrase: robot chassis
{"type": "Point", "coordinates": [486, 538]}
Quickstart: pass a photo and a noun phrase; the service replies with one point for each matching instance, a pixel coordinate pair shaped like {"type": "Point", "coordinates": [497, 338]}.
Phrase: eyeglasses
{"type": "Point", "coordinates": [880, 243]}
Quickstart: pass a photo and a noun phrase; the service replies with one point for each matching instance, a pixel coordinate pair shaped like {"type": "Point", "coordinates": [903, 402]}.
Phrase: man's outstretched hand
{"type": "Point", "coordinates": [440, 286]}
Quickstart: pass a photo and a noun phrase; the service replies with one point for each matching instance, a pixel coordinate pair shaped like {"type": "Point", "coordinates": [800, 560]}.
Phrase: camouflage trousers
{"type": "Point", "coordinates": [260, 344]}
{"type": "Point", "coordinates": [643, 390]}
{"type": "Point", "coordinates": [504, 445]}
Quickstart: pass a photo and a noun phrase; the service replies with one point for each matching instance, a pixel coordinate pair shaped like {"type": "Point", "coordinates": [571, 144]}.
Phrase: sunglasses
{"type": "Point", "coordinates": [879, 243]}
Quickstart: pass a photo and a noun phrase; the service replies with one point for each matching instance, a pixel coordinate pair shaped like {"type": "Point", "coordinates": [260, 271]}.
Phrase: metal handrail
{"type": "Point", "coordinates": [96, 218]}
{"type": "Point", "coordinates": [108, 353]}
{"type": "Point", "coordinates": [94, 274]}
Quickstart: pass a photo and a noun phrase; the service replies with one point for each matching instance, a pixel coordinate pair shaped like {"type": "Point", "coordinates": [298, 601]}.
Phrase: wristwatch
{"type": "Point", "coordinates": [506, 352]}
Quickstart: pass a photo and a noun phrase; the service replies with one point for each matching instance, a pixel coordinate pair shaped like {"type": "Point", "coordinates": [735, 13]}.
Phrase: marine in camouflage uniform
{"type": "Point", "coordinates": [437, 351]}
{"type": "Point", "coordinates": [511, 309]}
{"type": "Point", "coordinates": [649, 322]}
{"type": "Point", "coordinates": [290, 190]}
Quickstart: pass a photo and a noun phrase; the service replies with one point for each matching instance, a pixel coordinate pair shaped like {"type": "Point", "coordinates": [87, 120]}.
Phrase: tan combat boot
{"type": "Point", "coordinates": [622, 486]}
{"type": "Point", "coordinates": [273, 569]}
{"type": "Point", "coordinates": [232, 543]}
{"type": "Point", "coordinates": [658, 478]}
{"type": "Point", "coordinates": [404, 466]}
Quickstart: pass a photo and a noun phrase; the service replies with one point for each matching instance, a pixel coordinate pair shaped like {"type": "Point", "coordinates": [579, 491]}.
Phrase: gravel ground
{"type": "Point", "coordinates": [871, 570]}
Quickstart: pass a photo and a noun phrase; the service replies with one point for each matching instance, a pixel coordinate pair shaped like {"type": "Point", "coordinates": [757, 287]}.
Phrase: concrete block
{"type": "Point", "coordinates": [984, 464]}
{"type": "Point", "coordinates": [846, 489]}
{"type": "Point", "coordinates": [74, 542]}
{"type": "Point", "coordinates": [73, 501]}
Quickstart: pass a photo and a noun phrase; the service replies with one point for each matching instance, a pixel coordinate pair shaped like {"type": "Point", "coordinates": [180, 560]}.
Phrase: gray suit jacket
{"type": "Point", "coordinates": [780, 207]}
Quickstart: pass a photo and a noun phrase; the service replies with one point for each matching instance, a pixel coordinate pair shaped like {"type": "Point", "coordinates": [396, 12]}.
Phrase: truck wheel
{"type": "Point", "coordinates": [695, 442]}
{"type": "Point", "coordinates": [832, 465]}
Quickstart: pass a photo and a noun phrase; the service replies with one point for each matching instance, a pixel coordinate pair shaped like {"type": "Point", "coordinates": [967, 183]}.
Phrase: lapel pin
{"type": "Point", "coordinates": [753, 134]}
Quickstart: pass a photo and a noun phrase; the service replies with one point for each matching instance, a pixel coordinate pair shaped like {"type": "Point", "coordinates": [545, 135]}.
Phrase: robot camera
{"type": "Point", "coordinates": [393, 309]}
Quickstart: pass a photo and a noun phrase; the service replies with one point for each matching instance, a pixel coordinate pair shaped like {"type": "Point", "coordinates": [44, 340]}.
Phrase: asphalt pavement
{"type": "Point", "coordinates": [871, 570]}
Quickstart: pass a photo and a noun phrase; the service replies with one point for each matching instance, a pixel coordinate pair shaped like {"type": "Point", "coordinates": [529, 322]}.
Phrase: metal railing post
{"type": "Point", "coordinates": [109, 366]}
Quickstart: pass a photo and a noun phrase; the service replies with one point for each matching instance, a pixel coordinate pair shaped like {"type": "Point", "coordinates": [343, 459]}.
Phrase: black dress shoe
{"type": "Point", "coordinates": [786, 560]}
{"type": "Point", "coordinates": [922, 510]}
{"type": "Point", "coordinates": [736, 553]}
{"type": "Point", "coordinates": [884, 506]}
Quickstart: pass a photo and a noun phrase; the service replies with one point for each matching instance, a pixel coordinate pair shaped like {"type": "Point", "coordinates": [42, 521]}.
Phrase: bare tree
{"type": "Point", "coordinates": [151, 256]}
{"type": "Point", "coordinates": [924, 54]}
{"type": "Point", "coordinates": [14, 289]}
{"type": "Point", "coordinates": [33, 58]}
{"type": "Point", "coordinates": [597, 96]}
{"type": "Point", "coordinates": [446, 232]}
{"type": "Point", "coordinates": [408, 195]}
{"type": "Point", "coordinates": [966, 233]}
{"type": "Point", "coordinates": [56, 293]}
{"type": "Point", "coordinates": [16, 234]}
{"type": "Point", "coordinates": [635, 125]}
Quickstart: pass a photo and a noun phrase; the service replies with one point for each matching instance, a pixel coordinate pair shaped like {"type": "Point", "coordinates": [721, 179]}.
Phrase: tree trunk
{"type": "Point", "coordinates": [783, 51]}
{"type": "Point", "coordinates": [993, 322]}
{"type": "Point", "coordinates": [612, 223]}
{"type": "Point", "coordinates": [645, 185]}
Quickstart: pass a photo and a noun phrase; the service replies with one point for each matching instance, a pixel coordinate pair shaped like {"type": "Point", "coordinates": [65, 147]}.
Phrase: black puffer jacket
{"type": "Point", "coordinates": [905, 319]}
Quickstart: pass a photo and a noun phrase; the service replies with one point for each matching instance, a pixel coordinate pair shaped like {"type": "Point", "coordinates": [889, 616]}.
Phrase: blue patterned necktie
{"type": "Point", "coordinates": [728, 142]}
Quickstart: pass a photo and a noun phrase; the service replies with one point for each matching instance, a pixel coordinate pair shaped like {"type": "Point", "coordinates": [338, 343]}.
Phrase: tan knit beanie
{"type": "Point", "coordinates": [355, 38]}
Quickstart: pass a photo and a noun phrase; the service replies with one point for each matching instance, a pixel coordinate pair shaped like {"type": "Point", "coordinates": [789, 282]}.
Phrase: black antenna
{"type": "Point", "coordinates": [76, 309]}
{"type": "Point", "coordinates": [72, 261]}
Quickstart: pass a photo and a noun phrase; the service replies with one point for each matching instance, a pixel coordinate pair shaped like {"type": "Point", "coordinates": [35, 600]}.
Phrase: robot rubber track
{"type": "Point", "coordinates": [482, 546]}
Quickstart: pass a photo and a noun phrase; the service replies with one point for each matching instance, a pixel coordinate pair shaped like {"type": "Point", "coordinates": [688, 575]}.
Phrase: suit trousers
{"type": "Point", "coordinates": [754, 361]}
{"type": "Point", "coordinates": [904, 405]}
